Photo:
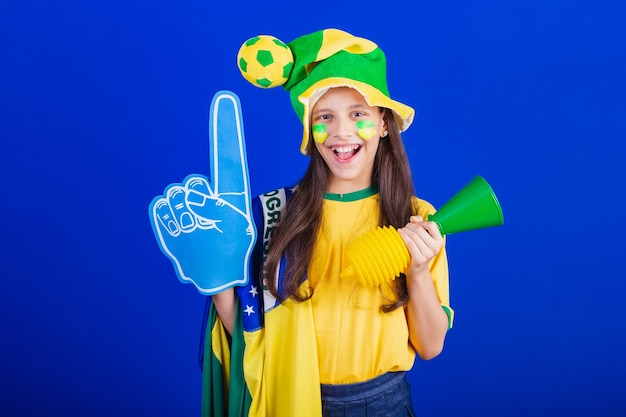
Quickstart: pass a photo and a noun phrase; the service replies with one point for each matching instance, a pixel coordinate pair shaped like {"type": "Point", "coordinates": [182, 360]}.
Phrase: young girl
{"type": "Point", "coordinates": [322, 344]}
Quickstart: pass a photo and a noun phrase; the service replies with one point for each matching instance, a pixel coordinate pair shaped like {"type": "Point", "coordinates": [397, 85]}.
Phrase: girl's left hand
{"type": "Point", "coordinates": [423, 240]}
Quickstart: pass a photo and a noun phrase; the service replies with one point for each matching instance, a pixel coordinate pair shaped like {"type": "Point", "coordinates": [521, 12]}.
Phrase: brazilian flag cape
{"type": "Point", "coordinates": [269, 367]}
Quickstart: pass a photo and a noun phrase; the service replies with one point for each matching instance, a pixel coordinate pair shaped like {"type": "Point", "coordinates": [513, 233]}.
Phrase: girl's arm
{"type": "Point", "coordinates": [427, 321]}
{"type": "Point", "coordinates": [225, 304]}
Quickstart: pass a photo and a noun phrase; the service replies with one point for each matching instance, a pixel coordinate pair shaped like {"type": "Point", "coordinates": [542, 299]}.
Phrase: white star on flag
{"type": "Point", "coordinates": [249, 310]}
{"type": "Point", "coordinates": [253, 291]}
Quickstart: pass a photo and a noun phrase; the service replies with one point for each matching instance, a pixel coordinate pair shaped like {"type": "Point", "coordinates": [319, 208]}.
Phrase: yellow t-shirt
{"type": "Point", "coordinates": [356, 341]}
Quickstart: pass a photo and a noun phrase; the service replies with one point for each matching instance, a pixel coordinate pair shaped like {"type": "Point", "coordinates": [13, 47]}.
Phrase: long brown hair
{"type": "Point", "coordinates": [296, 234]}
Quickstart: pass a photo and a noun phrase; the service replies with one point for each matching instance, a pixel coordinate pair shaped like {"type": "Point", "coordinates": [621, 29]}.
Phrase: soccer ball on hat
{"type": "Point", "coordinates": [265, 61]}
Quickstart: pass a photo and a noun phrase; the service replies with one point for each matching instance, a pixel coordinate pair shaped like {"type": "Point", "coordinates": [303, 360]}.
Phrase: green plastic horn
{"type": "Point", "coordinates": [474, 207]}
{"type": "Point", "coordinates": [380, 255]}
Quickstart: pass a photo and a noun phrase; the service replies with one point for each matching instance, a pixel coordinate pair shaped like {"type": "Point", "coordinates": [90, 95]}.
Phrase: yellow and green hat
{"type": "Point", "coordinates": [311, 64]}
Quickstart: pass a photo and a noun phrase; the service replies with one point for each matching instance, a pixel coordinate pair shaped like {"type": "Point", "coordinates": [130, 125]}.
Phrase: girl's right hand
{"type": "Point", "coordinates": [423, 240]}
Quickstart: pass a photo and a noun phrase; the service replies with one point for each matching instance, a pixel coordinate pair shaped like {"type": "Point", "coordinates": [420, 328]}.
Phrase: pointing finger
{"type": "Point", "coordinates": [229, 166]}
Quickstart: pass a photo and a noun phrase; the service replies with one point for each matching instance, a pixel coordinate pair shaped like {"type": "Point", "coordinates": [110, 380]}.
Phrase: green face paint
{"type": "Point", "coordinates": [365, 129]}
{"type": "Point", "coordinates": [319, 133]}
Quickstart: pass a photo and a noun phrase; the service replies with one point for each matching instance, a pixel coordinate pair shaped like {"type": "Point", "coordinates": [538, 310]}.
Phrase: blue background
{"type": "Point", "coordinates": [104, 103]}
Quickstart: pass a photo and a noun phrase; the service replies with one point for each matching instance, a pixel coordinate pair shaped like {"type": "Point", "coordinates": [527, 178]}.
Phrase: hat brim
{"type": "Point", "coordinates": [374, 97]}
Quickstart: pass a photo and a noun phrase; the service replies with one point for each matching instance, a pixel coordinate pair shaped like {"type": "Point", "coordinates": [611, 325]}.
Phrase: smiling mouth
{"type": "Point", "coordinates": [346, 152]}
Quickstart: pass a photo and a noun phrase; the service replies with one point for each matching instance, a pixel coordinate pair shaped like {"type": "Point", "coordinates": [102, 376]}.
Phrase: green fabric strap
{"type": "Point", "coordinates": [218, 400]}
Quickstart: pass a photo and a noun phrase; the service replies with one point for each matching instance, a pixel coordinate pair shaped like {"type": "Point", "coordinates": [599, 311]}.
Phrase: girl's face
{"type": "Point", "coordinates": [346, 134]}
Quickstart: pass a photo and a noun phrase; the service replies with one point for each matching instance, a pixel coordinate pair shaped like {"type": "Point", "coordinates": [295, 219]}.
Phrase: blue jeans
{"type": "Point", "coordinates": [388, 395]}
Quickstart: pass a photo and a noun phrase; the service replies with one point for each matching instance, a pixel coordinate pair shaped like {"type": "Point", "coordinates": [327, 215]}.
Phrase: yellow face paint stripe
{"type": "Point", "coordinates": [319, 133]}
{"type": "Point", "coordinates": [365, 129]}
